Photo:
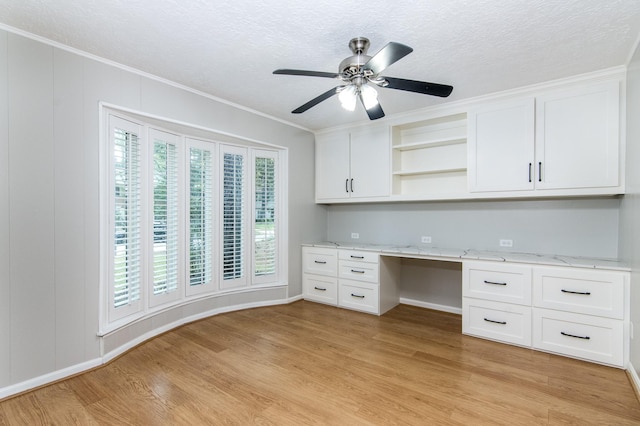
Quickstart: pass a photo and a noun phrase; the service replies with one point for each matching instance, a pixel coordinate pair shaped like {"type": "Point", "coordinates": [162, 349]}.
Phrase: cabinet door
{"type": "Point", "coordinates": [370, 162]}
{"type": "Point", "coordinates": [500, 146]}
{"type": "Point", "coordinates": [332, 166]}
{"type": "Point", "coordinates": [577, 137]}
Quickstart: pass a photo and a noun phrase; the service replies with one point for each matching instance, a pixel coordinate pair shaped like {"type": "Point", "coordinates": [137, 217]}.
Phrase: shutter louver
{"type": "Point", "coordinates": [127, 214]}
{"type": "Point", "coordinates": [233, 216]}
{"type": "Point", "coordinates": [200, 217]}
{"type": "Point", "coordinates": [265, 217]}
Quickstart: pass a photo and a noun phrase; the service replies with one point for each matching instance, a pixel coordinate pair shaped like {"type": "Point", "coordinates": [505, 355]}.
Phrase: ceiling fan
{"type": "Point", "coordinates": [360, 72]}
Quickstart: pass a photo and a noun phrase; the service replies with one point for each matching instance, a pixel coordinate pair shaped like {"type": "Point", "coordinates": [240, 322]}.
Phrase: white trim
{"type": "Point", "coordinates": [634, 379]}
{"type": "Point", "coordinates": [48, 378]}
{"type": "Point", "coordinates": [136, 71]}
{"type": "Point", "coordinates": [434, 306]}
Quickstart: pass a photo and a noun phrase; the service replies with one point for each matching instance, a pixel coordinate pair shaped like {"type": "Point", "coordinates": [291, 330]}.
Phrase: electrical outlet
{"type": "Point", "coordinates": [506, 243]}
{"type": "Point", "coordinates": [426, 240]}
{"type": "Point", "coordinates": [355, 235]}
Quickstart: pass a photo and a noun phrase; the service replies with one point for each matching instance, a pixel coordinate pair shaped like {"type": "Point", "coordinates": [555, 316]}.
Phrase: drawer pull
{"type": "Point", "coordinates": [355, 271]}
{"type": "Point", "coordinates": [495, 322]}
{"type": "Point", "coordinates": [357, 257]}
{"type": "Point", "coordinates": [320, 289]}
{"type": "Point", "coordinates": [586, 293]}
{"type": "Point", "coordinates": [359, 296]}
{"type": "Point", "coordinates": [573, 335]}
{"type": "Point", "coordinates": [494, 283]}
{"type": "Point", "coordinates": [321, 262]}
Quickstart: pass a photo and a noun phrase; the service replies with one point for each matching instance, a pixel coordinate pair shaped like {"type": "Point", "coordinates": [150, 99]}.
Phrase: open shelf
{"type": "Point", "coordinates": [429, 171]}
{"type": "Point", "coordinates": [430, 144]}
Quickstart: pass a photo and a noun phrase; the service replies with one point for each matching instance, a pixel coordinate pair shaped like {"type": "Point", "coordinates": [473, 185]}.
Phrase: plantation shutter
{"type": "Point", "coordinates": [265, 241]}
{"type": "Point", "coordinates": [126, 211]}
{"type": "Point", "coordinates": [200, 219]}
{"type": "Point", "coordinates": [234, 216]}
{"type": "Point", "coordinates": [164, 265]}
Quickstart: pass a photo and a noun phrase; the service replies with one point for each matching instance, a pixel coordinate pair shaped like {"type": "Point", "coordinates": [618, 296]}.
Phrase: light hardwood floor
{"type": "Point", "coordinates": [307, 363]}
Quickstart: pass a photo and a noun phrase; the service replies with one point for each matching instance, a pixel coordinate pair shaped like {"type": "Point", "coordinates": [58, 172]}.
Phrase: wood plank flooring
{"type": "Point", "coordinates": [307, 363]}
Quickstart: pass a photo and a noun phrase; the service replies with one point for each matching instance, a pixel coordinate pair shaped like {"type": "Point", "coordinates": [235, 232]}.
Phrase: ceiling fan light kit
{"type": "Point", "coordinates": [360, 72]}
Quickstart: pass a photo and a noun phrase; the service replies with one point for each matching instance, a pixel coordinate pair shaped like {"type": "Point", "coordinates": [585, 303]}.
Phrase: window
{"type": "Point", "coordinates": [185, 218]}
{"type": "Point", "coordinates": [234, 216]}
{"type": "Point", "coordinates": [126, 218]}
{"type": "Point", "coordinates": [200, 217]}
{"type": "Point", "coordinates": [165, 216]}
{"type": "Point", "coordinates": [265, 216]}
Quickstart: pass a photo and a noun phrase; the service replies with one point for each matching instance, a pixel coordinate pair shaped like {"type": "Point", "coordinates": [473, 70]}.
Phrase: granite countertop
{"type": "Point", "coordinates": [458, 255]}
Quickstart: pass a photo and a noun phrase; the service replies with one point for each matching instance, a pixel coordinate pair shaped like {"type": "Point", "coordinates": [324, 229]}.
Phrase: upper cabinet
{"type": "Point", "coordinates": [562, 142]}
{"type": "Point", "coordinates": [555, 140]}
{"type": "Point", "coordinates": [353, 165]}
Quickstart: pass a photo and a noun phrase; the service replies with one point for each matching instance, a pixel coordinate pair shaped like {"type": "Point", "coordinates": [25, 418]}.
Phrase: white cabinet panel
{"type": "Point", "coordinates": [332, 166]}
{"type": "Point", "coordinates": [500, 142]}
{"type": "Point", "coordinates": [496, 281]}
{"type": "Point", "coordinates": [577, 137]}
{"type": "Point", "coordinates": [321, 261]}
{"type": "Point", "coordinates": [320, 288]}
{"type": "Point", "coordinates": [497, 321]}
{"type": "Point", "coordinates": [370, 163]}
{"type": "Point", "coordinates": [359, 295]}
{"type": "Point", "coordinates": [582, 336]}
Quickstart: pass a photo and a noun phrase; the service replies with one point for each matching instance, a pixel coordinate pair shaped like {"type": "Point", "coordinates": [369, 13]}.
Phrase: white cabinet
{"type": "Point", "coordinates": [574, 148]}
{"type": "Point", "coordinates": [577, 137]}
{"type": "Point", "coordinates": [501, 146]}
{"type": "Point", "coordinates": [580, 313]}
{"type": "Point", "coordinates": [353, 164]}
{"type": "Point", "coordinates": [496, 301]}
{"type": "Point", "coordinates": [319, 274]}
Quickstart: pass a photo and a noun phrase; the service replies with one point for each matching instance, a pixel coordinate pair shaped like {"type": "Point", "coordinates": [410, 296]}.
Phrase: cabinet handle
{"type": "Point", "coordinates": [539, 171]}
{"type": "Point", "coordinates": [495, 322]}
{"type": "Point", "coordinates": [573, 335]}
{"type": "Point", "coordinates": [355, 271]}
{"type": "Point", "coordinates": [529, 172]}
{"type": "Point", "coordinates": [346, 185]}
{"type": "Point", "coordinates": [586, 293]}
{"type": "Point", "coordinates": [351, 184]}
{"type": "Point", "coordinates": [320, 288]}
{"type": "Point", "coordinates": [356, 257]}
{"type": "Point", "coordinates": [359, 296]}
{"type": "Point", "coordinates": [321, 262]}
{"type": "Point", "coordinates": [494, 283]}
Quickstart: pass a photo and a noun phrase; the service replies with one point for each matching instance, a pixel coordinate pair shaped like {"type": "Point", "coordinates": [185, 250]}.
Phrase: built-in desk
{"type": "Point", "coordinates": [572, 306]}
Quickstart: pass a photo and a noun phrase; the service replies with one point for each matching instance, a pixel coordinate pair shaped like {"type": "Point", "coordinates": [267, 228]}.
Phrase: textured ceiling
{"type": "Point", "coordinates": [229, 49]}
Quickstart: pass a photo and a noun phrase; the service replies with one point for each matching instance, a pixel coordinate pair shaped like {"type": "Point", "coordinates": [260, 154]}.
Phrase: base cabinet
{"type": "Point", "coordinates": [569, 311]}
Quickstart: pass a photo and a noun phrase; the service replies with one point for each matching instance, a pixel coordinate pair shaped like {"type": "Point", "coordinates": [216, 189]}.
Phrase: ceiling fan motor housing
{"type": "Point", "coordinates": [350, 66]}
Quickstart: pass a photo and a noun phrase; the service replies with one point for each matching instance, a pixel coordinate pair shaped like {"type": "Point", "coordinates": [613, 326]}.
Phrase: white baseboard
{"type": "Point", "coordinates": [635, 379]}
{"type": "Point", "coordinates": [48, 378]}
{"type": "Point", "coordinates": [434, 306]}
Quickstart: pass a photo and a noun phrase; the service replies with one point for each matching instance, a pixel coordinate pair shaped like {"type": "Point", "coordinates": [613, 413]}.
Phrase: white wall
{"type": "Point", "coordinates": [577, 227]}
{"type": "Point", "coordinates": [630, 206]}
{"type": "Point", "coordinates": [49, 197]}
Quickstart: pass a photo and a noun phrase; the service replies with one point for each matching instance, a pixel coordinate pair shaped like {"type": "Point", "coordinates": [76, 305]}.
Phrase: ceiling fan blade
{"type": "Point", "coordinates": [424, 87]}
{"type": "Point", "coordinates": [307, 73]}
{"type": "Point", "coordinates": [374, 112]}
{"type": "Point", "coordinates": [315, 101]}
{"type": "Point", "coordinates": [389, 54]}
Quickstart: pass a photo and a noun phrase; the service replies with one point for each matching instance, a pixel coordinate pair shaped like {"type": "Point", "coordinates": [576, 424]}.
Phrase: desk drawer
{"type": "Point", "coordinates": [359, 296]}
{"type": "Point", "coordinates": [582, 291]}
{"type": "Point", "coordinates": [358, 256]}
{"type": "Point", "coordinates": [320, 288]}
{"type": "Point", "coordinates": [323, 261]}
{"type": "Point", "coordinates": [360, 271]}
{"type": "Point", "coordinates": [582, 336]}
{"type": "Point", "coordinates": [497, 321]}
{"type": "Point", "coordinates": [497, 281]}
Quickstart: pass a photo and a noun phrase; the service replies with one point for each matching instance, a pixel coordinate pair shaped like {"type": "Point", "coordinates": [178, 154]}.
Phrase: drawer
{"type": "Point", "coordinates": [323, 261]}
{"type": "Point", "coordinates": [358, 271]}
{"type": "Point", "coordinates": [320, 288]}
{"type": "Point", "coordinates": [359, 296]}
{"type": "Point", "coordinates": [496, 281]}
{"type": "Point", "coordinates": [581, 336]}
{"type": "Point", "coordinates": [497, 321]}
{"type": "Point", "coordinates": [579, 290]}
{"type": "Point", "coordinates": [358, 256]}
